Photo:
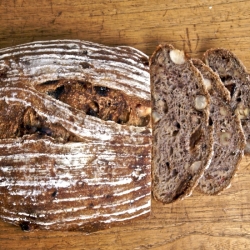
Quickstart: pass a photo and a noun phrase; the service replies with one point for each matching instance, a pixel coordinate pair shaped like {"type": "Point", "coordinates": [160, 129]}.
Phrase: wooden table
{"type": "Point", "coordinates": [198, 222]}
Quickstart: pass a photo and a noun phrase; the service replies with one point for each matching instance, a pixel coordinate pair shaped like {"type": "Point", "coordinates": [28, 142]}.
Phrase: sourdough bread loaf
{"type": "Point", "coordinates": [229, 140]}
{"type": "Point", "coordinates": [234, 76]}
{"type": "Point", "coordinates": [75, 136]}
{"type": "Point", "coordinates": [182, 135]}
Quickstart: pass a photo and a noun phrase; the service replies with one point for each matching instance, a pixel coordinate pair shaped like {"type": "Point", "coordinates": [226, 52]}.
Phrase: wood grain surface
{"type": "Point", "coordinates": [198, 222]}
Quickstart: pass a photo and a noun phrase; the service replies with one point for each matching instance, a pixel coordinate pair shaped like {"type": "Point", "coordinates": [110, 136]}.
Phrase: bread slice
{"type": "Point", "coordinates": [236, 79]}
{"type": "Point", "coordinates": [229, 140]}
{"type": "Point", "coordinates": [182, 135]}
{"type": "Point", "coordinates": [75, 136]}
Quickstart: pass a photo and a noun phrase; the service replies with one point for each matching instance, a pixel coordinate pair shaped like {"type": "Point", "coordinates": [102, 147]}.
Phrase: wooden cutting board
{"type": "Point", "coordinates": [198, 222]}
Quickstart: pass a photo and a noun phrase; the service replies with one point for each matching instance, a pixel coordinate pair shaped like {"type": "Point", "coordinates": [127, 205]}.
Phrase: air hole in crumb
{"type": "Point", "coordinates": [195, 138]}
{"type": "Point", "coordinates": [171, 151]}
{"type": "Point", "coordinates": [210, 121]}
{"type": "Point", "coordinates": [178, 126]}
{"type": "Point", "coordinates": [174, 172]}
{"type": "Point", "coordinates": [180, 84]}
{"type": "Point", "coordinates": [175, 132]}
{"type": "Point", "coordinates": [231, 88]}
{"type": "Point", "coordinates": [165, 108]}
{"type": "Point", "coordinates": [238, 99]}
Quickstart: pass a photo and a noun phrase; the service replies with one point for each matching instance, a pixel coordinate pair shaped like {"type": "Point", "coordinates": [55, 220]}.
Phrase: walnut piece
{"type": "Point", "coordinates": [156, 117]}
{"type": "Point", "coordinates": [200, 102]}
{"type": "Point", "coordinates": [225, 138]}
{"type": "Point", "coordinates": [177, 56]}
{"type": "Point", "coordinates": [223, 111]}
{"type": "Point", "coordinates": [242, 112]}
{"type": "Point", "coordinates": [194, 168]}
{"type": "Point", "coordinates": [207, 83]}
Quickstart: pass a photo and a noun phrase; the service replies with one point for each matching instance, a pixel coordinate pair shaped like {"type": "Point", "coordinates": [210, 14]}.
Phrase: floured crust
{"type": "Point", "coordinates": [182, 136]}
{"type": "Point", "coordinates": [234, 76]}
{"type": "Point", "coordinates": [229, 140]}
{"type": "Point", "coordinates": [62, 166]}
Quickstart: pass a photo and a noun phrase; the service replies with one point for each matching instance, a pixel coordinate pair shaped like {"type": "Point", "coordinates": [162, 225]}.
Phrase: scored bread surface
{"type": "Point", "coordinates": [182, 135]}
{"type": "Point", "coordinates": [229, 140]}
{"type": "Point", "coordinates": [75, 136]}
{"type": "Point", "coordinates": [236, 79]}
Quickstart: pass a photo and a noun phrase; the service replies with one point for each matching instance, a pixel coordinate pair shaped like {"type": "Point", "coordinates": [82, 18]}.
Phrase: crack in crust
{"type": "Point", "coordinates": [99, 101]}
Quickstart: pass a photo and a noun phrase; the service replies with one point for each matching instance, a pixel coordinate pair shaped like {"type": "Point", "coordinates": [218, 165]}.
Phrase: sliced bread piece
{"type": "Point", "coordinates": [236, 79]}
{"type": "Point", "coordinates": [229, 140]}
{"type": "Point", "coordinates": [182, 135]}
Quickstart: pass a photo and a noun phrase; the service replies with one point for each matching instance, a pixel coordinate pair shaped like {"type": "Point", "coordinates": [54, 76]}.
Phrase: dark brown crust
{"type": "Point", "coordinates": [227, 157]}
{"type": "Point", "coordinates": [177, 177]}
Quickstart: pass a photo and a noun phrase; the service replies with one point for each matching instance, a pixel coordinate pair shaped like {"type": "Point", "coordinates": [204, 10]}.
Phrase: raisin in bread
{"type": "Point", "coordinates": [236, 79]}
{"type": "Point", "coordinates": [229, 140]}
{"type": "Point", "coordinates": [182, 135]}
{"type": "Point", "coordinates": [75, 136]}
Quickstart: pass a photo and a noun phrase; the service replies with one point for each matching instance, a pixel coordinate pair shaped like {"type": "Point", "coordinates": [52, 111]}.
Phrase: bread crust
{"type": "Point", "coordinates": [182, 136]}
{"type": "Point", "coordinates": [60, 167]}
{"type": "Point", "coordinates": [229, 140]}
